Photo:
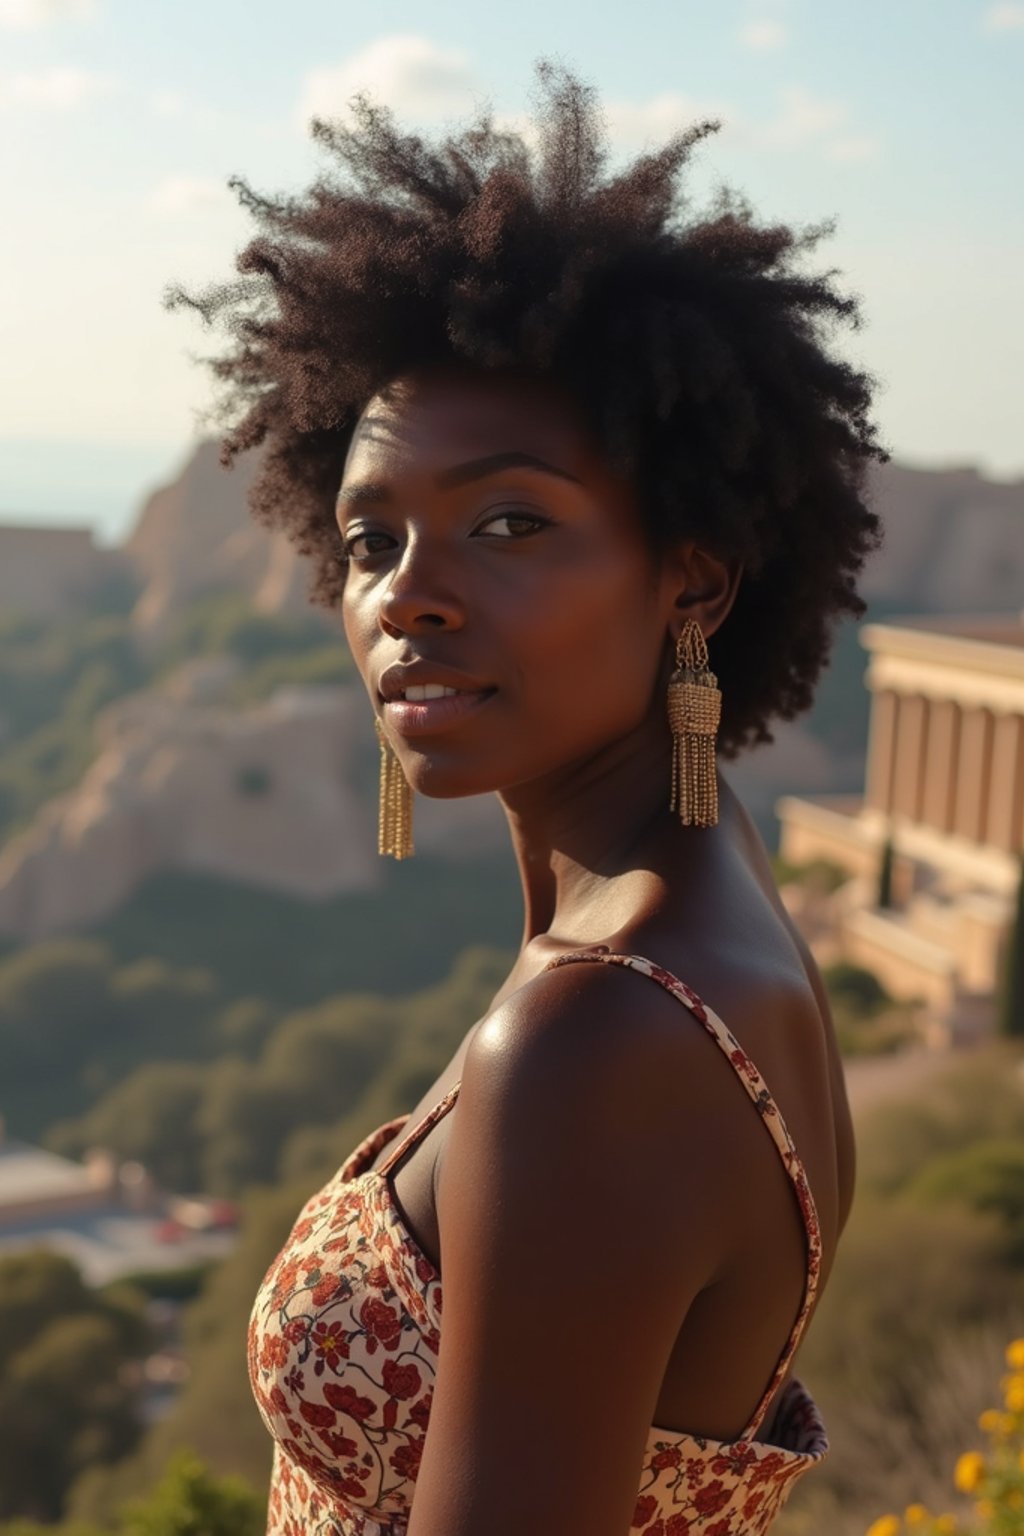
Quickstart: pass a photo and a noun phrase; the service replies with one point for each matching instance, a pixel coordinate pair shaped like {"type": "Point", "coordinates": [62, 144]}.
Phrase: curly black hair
{"type": "Point", "coordinates": [696, 350]}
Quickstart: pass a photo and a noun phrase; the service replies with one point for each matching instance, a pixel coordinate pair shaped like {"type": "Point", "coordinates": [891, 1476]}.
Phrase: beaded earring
{"type": "Point", "coordinates": [394, 815]}
{"type": "Point", "coordinates": [694, 710]}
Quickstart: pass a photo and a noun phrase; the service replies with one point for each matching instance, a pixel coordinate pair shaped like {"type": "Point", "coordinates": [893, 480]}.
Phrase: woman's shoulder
{"type": "Point", "coordinates": [606, 1046]}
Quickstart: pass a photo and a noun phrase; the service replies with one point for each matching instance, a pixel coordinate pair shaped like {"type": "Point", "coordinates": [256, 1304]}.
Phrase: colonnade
{"type": "Point", "coordinates": [956, 767]}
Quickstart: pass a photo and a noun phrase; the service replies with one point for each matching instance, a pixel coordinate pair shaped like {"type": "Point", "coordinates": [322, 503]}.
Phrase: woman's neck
{"type": "Point", "coordinates": [589, 840]}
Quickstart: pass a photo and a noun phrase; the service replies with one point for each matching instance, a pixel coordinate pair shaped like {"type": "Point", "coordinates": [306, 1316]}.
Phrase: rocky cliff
{"type": "Point", "coordinates": [196, 535]}
{"type": "Point", "coordinates": [275, 794]}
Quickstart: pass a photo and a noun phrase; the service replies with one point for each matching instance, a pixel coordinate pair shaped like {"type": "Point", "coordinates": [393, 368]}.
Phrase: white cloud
{"type": "Point", "coordinates": [168, 103]}
{"type": "Point", "coordinates": [763, 36]}
{"type": "Point", "coordinates": [857, 146]}
{"type": "Point", "coordinates": [1008, 17]}
{"type": "Point", "coordinates": [58, 89]}
{"type": "Point", "coordinates": [633, 123]}
{"type": "Point", "coordinates": [27, 15]}
{"type": "Point", "coordinates": [802, 119]}
{"type": "Point", "coordinates": [177, 195]}
{"type": "Point", "coordinates": [404, 71]}
{"type": "Point", "coordinates": [802, 122]}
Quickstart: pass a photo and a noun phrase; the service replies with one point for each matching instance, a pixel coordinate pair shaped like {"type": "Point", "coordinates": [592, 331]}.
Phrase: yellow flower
{"type": "Point", "coordinates": [945, 1525]}
{"type": "Point", "coordinates": [1021, 1458]}
{"type": "Point", "coordinates": [986, 1509]}
{"type": "Point", "coordinates": [1015, 1355]}
{"type": "Point", "coordinates": [915, 1514]}
{"type": "Point", "coordinates": [969, 1471]}
{"type": "Point", "coordinates": [1014, 1389]}
{"type": "Point", "coordinates": [886, 1525]}
{"type": "Point", "coordinates": [991, 1421]}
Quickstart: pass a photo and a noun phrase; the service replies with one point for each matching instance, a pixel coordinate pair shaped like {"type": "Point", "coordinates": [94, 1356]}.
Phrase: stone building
{"type": "Point", "coordinates": [945, 781]}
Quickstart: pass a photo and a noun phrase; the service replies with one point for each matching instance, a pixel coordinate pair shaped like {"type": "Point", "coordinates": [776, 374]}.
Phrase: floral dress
{"type": "Point", "coordinates": [343, 1342]}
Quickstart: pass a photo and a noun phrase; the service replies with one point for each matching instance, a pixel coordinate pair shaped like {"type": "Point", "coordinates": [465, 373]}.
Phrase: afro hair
{"type": "Point", "coordinates": [697, 349]}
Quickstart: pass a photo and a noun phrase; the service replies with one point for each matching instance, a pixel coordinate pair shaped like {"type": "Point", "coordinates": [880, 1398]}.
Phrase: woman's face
{"type": "Point", "coordinates": [487, 537]}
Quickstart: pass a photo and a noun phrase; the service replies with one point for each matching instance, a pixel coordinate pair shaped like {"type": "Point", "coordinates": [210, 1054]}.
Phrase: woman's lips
{"type": "Point", "coordinates": [421, 717]}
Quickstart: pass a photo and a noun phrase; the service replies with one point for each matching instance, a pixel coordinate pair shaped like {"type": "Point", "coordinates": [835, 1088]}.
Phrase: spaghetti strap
{"type": "Point", "coordinates": [771, 1116]}
{"type": "Point", "coordinates": [421, 1128]}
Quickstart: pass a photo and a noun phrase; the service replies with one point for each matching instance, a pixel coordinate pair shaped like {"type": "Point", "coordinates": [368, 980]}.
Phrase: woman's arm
{"type": "Point", "coordinates": [571, 1249]}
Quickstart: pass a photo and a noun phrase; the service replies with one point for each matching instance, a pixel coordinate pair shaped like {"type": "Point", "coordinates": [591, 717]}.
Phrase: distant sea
{"type": "Point", "coordinates": [74, 483]}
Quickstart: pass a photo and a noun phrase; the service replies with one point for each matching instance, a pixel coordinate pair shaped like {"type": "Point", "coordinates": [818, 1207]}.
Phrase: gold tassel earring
{"type": "Point", "coordinates": [694, 710]}
{"type": "Point", "coordinates": [394, 819]}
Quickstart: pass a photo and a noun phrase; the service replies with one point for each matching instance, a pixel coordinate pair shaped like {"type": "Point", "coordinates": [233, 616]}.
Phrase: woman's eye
{"type": "Point", "coordinates": [516, 517]}
{"type": "Point", "coordinates": [348, 545]}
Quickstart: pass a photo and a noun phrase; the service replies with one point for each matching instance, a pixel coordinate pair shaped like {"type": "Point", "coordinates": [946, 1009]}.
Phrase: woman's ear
{"type": "Point", "coordinates": [704, 586]}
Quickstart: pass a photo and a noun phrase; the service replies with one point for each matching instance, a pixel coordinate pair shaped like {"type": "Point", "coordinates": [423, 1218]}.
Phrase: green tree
{"type": "Point", "coordinates": [988, 1176]}
{"type": "Point", "coordinates": [854, 987]}
{"type": "Point", "coordinates": [149, 1116]}
{"type": "Point", "coordinates": [1010, 1002]}
{"type": "Point", "coordinates": [68, 1395]}
{"type": "Point", "coordinates": [190, 1501]}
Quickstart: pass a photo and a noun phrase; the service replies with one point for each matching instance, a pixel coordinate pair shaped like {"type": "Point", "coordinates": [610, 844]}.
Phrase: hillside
{"type": "Point", "coordinates": [178, 706]}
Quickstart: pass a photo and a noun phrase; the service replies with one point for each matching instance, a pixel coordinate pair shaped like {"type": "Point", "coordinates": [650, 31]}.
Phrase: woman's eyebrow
{"type": "Point", "coordinates": [460, 474]}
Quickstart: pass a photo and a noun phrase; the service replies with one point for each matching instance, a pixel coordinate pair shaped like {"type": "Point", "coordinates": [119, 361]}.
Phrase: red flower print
{"type": "Point", "coordinates": [337, 1443]}
{"type": "Point", "coordinates": [710, 1499]}
{"type": "Point", "coordinates": [381, 1322]}
{"type": "Point", "coordinates": [348, 1401]}
{"type": "Point", "coordinates": [350, 1429]}
{"type": "Point", "coordinates": [326, 1288]}
{"type": "Point", "coordinates": [767, 1468]}
{"type": "Point", "coordinates": [736, 1458]}
{"type": "Point", "coordinates": [274, 1351]}
{"type": "Point", "coordinates": [643, 1510]}
{"type": "Point", "coordinates": [285, 1278]}
{"type": "Point", "coordinates": [698, 1006]}
{"type": "Point", "coordinates": [349, 1487]}
{"type": "Point", "coordinates": [330, 1346]}
{"type": "Point", "coordinates": [406, 1459]}
{"type": "Point", "coordinates": [401, 1381]}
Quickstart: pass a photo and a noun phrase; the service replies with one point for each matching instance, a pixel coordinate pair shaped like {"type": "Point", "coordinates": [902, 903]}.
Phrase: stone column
{"type": "Point", "coordinates": [1006, 800]}
{"type": "Point", "coordinates": [973, 774]}
{"type": "Point", "coordinates": [940, 769]}
{"type": "Point", "coordinates": [881, 744]}
{"type": "Point", "coordinates": [908, 772]}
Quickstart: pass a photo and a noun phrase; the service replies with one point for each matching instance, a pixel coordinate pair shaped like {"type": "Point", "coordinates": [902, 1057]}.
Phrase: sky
{"type": "Point", "coordinates": [120, 124]}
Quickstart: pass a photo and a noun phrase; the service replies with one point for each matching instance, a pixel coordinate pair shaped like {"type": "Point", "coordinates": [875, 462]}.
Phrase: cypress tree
{"type": "Point", "coordinates": [1010, 1000]}
{"type": "Point", "coordinates": [885, 873]}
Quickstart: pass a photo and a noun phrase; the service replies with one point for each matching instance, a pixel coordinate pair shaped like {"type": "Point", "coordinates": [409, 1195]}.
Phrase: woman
{"type": "Point", "coordinates": [556, 454]}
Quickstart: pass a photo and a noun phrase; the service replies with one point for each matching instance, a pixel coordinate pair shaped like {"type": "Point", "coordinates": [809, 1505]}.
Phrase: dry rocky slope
{"type": "Point", "coordinates": [265, 794]}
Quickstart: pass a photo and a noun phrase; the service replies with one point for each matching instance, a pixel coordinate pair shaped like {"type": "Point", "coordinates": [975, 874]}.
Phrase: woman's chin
{"type": "Point", "coordinates": [446, 781]}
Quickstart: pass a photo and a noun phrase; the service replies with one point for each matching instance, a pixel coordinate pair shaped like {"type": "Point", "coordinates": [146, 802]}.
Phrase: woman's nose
{"type": "Point", "coordinates": [420, 593]}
